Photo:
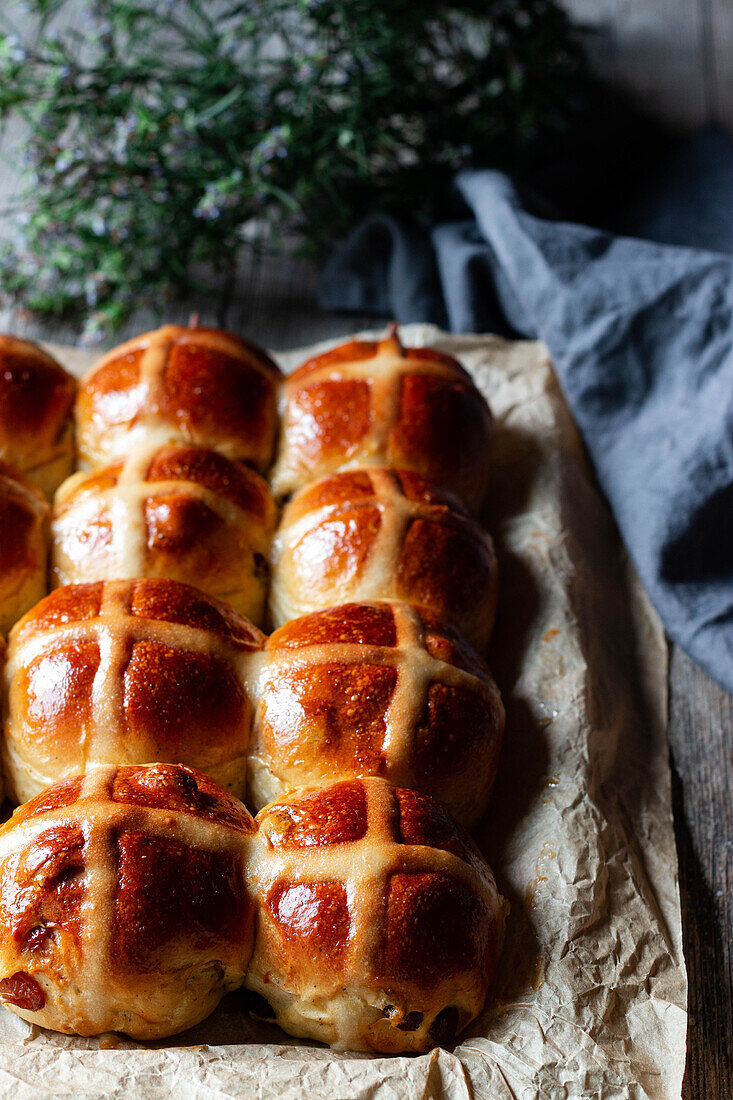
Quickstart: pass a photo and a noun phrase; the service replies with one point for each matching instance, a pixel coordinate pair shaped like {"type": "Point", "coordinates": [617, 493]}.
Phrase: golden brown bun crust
{"type": "Point", "coordinates": [381, 909]}
{"type": "Point", "coordinates": [177, 511]}
{"type": "Point", "coordinates": [126, 672]}
{"type": "Point", "coordinates": [122, 902]}
{"type": "Point", "coordinates": [376, 689]}
{"type": "Point", "coordinates": [381, 533]}
{"type": "Point", "coordinates": [193, 385]}
{"type": "Point", "coordinates": [24, 514]}
{"type": "Point", "coordinates": [364, 403]}
{"type": "Point", "coordinates": [36, 405]}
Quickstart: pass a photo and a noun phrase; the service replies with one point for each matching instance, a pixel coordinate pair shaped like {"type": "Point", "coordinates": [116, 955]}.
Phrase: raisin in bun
{"type": "Point", "coordinates": [189, 385]}
{"type": "Point", "coordinates": [123, 905]}
{"type": "Point", "coordinates": [375, 689]}
{"type": "Point", "coordinates": [380, 533]}
{"type": "Point", "coordinates": [367, 403]}
{"type": "Point", "coordinates": [379, 921]}
{"type": "Point", "coordinates": [126, 672]}
{"type": "Point", "coordinates": [175, 511]}
{"type": "Point", "coordinates": [24, 515]}
{"type": "Point", "coordinates": [36, 413]}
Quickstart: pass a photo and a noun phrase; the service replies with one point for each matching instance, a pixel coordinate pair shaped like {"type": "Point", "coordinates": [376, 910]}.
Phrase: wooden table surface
{"type": "Point", "coordinates": [273, 303]}
{"type": "Point", "coordinates": [675, 55]}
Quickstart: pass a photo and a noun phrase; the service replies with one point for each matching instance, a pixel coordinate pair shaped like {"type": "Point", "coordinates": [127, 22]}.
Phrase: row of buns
{"type": "Point", "coordinates": [379, 581]}
{"type": "Point", "coordinates": [365, 403]}
{"type": "Point", "coordinates": [154, 670]}
{"type": "Point", "coordinates": [178, 423]}
{"type": "Point", "coordinates": [193, 515]}
{"type": "Point", "coordinates": [132, 898]}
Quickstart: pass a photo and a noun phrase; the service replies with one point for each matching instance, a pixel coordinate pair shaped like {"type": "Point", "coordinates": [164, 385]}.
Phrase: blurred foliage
{"type": "Point", "coordinates": [170, 133]}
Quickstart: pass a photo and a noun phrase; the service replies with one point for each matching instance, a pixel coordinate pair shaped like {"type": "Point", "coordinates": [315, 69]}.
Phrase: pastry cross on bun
{"type": "Point", "coordinates": [381, 533]}
{"type": "Point", "coordinates": [126, 672]}
{"type": "Point", "coordinates": [379, 920]}
{"type": "Point", "coordinates": [36, 407]}
{"type": "Point", "coordinates": [366, 403]}
{"type": "Point", "coordinates": [377, 688]}
{"type": "Point", "coordinates": [191, 385]}
{"type": "Point", "coordinates": [24, 515]}
{"type": "Point", "coordinates": [123, 905]}
{"type": "Point", "coordinates": [174, 511]}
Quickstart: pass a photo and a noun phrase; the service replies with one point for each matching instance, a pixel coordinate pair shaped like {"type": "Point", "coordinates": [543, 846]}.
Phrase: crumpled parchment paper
{"type": "Point", "coordinates": [590, 998]}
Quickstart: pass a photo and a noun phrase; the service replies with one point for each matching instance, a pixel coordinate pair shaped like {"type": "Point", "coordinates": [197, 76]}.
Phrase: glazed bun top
{"type": "Point", "coordinates": [378, 402]}
{"type": "Point", "coordinates": [126, 672]}
{"type": "Point", "coordinates": [123, 902]}
{"type": "Point", "coordinates": [176, 511]}
{"type": "Point", "coordinates": [178, 462]}
{"type": "Point", "coordinates": [193, 385]}
{"type": "Point", "coordinates": [383, 908]}
{"type": "Point", "coordinates": [369, 811]}
{"type": "Point", "coordinates": [169, 788]}
{"type": "Point", "coordinates": [378, 688]}
{"type": "Point", "coordinates": [383, 533]}
{"type": "Point", "coordinates": [152, 599]}
{"type": "Point", "coordinates": [36, 404]}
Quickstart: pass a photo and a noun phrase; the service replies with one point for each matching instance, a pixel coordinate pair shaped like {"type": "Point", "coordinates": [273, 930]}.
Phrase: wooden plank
{"type": "Point", "coordinates": [67, 330]}
{"type": "Point", "coordinates": [701, 743]}
{"type": "Point", "coordinates": [719, 59]}
{"type": "Point", "coordinates": [273, 302]}
{"type": "Point", "coordinates": [653, 49]}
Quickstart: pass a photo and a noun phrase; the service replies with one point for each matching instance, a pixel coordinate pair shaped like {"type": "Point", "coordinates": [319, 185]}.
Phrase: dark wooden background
{"type": "Point", "coordinates": [676, 56]}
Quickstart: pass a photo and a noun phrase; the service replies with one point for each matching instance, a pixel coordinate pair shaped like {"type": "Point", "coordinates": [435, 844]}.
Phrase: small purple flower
{"type": "Point", "coordinates": [13, 48]}
{"type": "Point", "coordinates": [273, 145]}
{"type": "Point", "coordinates": [64, 161]}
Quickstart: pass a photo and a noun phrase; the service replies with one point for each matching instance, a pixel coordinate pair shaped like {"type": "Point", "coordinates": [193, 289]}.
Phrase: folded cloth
{"type": "Point", "coordinates": [641, 334]}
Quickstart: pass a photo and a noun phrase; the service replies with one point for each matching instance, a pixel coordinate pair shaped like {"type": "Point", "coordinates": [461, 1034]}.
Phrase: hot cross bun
{"type": "Point", "coordinates": [24, 515]}
{"type": "Point", "coordinates": [381, 533]}
{"type": "Point", "coordinates": [379, 921]}
{"type": "Point", "coordinates": [123, 905]}
{"type": "Point", "coordinates": [173, 511]}
{"type": "Point", "coordinates": [36, 413]}
{"type": "Point", "coordinates": [189, 385]}
{"type": "Point", "coordinates": [122, 672]}
{"type": "Point", "coordinates": [375, 689]}
{"type": "Point", "coordinates": [367, 403]}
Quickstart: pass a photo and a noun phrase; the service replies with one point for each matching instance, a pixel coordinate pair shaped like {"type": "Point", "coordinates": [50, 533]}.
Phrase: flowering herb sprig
{"type": "Point", "coordinates": [168, 133]}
